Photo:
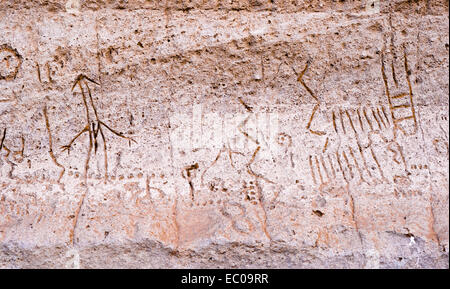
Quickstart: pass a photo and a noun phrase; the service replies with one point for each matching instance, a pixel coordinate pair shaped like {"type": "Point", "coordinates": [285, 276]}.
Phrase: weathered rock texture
{"type": "Point", "coordinates": [332, 119]}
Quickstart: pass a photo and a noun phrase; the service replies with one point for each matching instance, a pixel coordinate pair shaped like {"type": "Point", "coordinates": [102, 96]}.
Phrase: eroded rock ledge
{"type": "Point", "coordinates": [204, 134]}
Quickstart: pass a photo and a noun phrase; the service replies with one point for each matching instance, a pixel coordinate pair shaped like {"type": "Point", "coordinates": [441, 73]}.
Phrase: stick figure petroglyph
{"type": "Point", "coordinates": [93, 127]}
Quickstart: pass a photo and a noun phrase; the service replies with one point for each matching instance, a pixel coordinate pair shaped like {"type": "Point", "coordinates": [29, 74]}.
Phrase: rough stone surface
{"type": "Point", "coordinates": [237, 133]}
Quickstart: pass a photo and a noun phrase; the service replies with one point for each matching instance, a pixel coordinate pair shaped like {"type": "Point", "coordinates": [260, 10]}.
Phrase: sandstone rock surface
{"type": "Point", "coordinates": [224, 134]}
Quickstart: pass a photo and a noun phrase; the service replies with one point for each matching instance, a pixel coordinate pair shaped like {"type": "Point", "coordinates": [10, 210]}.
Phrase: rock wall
{"type": "Point", "coordinates": [223, 134]}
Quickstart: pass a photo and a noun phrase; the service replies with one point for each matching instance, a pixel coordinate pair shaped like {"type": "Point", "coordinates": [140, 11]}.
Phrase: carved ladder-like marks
{"type": "Point", "coordinates": [401, 104]}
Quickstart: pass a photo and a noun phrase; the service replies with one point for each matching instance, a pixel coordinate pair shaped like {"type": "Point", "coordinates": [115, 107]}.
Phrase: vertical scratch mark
{"type": "Point", "coordinates": [332, 167]}
{"type": "Point", "coordinates": [50, 144]}
{"type": "Point", "coordinates": [378, 164]}
{"type": "Point", "coordinates": [408, 72]}
{"type": "Point", "coordinates": [357, 165]}
{"type": "Point", "coordinates": [334, 122]}
{"type": "Point", "coordinates": [351, 122]}
{"type": "Point", "coordinates": [348, 164]}
{"type": "Point", "coordinates": [22, 148]}
{"type": "Point", "coordinates": [364, 159]}
{"type": "Point", "coordinates": [342, 121]}
{"type": "Point", "coordinates": [340, 167]}
{"type": "Point", "coordinates": [360, 121]}
{"type": "Point", "coordinates": [86, 169]}
{"type": "Point", "coordinates": [92, 101]}
{"type": "Point", "coordinates": [325, 146]}
{"type": "Point", "coordinates": [72, 235]}
{"type": "Point", "coordinates": [312, 169]}
{"type": "Point", "coordinates": [3, 138]}
{"type": "Point", "coordinates": [105, 151]}
{"type": "Point", "coordinates": [367, 118]}
{"type": "Point", "coordinates": [88, 126]}
{"type": "Point", "coordinates": [264, 221]}
{"type": "Point", "coordinates": [402, 156]}
{"type": "Point", "coordinates": [393, 74]}
{"type": "Point", "coordinates": [325, 168]}
{"type": "Point", "coordinates": [386, 85]}
{"type": "Point", "coordinates": [352, 208]}
{"type": "Point", "coordinates": [432, 225]}
{"type": "Point", "coordinates": [385, 115]}
{"type": "Point", "coordinates": [86, 166]}
{"type": "Point", "coordinates": [318, 169]}
{"type": "Point", "coordinates": [38, 72]}
{"type": "Point", "coordinates": [49, 72]}
{"type": "Point", "coordinates": [378, 122]}
{"type": "Point", "coordinates": [380, 116]}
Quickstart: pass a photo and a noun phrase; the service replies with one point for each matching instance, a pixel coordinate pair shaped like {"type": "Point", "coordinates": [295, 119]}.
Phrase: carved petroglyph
{"type": "Point", "coordinates": [361, 150]}
{"type": "Point", "coordinates": [284, 139]}
{"type": "Point", "coordinates": [361, 164]}
{"type": "Point", "coordinates": [189, 173]}
{"type": "Point", "coordinates": [359, 159]}
{"type": "Point", "coordinates": [349, 162]}
{"type": "Point", "coordinates": [361, 120]}
{"type": "Point", "coordinates": [237, 215]}
{"type": "Point", "coordinates": [10, 62]}
{"type": "Point", "coordinates": [45, 70]}
{"type": "Point", "coordinates": [250, 170]}
{"type": "Point", "coordinates": [401, 104]}
{"type": "Point", "coordinates": [50, 145]}
{"type": "Point", "coordinates": [311, 93]}
{"type": "Point", "coordinates": [3, 139]}
{"type": "Point", "coordinates": [93, 127]}
{"type": "Point", "coordinates": [17, 156]}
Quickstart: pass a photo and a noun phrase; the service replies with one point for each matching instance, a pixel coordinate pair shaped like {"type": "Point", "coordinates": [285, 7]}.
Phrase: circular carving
{"type": "Point", "coordinates": [284, 139]}
{"type": "Point", "coordinates": [10, 62]}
